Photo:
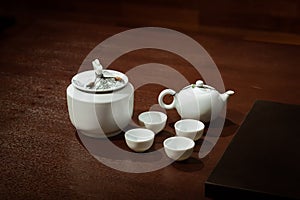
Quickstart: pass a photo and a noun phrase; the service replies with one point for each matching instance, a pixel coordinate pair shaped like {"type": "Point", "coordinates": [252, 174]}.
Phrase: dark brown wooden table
{"type": "Point", "coordinates": [41, 156]}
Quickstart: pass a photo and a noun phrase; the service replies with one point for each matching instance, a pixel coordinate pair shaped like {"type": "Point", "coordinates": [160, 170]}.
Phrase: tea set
{"type": "Point", "coordinates": [100, 104]}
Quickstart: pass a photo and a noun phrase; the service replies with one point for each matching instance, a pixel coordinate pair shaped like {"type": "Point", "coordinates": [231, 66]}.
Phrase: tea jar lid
{"type": "Point", "coordinates": [93, 82]}
{"type": "Point", "coordinates": [99, 80]}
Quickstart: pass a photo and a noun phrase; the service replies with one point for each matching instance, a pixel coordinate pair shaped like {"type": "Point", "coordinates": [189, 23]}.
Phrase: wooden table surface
{"type": "Point", "coordinates": [41, 156]}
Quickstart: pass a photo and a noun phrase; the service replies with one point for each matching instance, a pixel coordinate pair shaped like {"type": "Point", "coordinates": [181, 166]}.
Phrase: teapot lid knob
{"type": "Point", "coordinates": [199, 83]}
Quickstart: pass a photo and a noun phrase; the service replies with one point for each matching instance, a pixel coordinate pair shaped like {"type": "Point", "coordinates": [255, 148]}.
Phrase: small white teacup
{"type": "Point", "coordinates": [178, 147]}
{"type": "Point", "coordinates": [153, 120]}
{"type": "Point", "coordinates": [189, 128]}
{"type": "Point", "coordinates": [139, 139]}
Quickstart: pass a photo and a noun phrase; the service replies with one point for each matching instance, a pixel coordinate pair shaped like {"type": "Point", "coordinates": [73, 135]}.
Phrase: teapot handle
{"type": "Point", "coordinates": [161, 99]}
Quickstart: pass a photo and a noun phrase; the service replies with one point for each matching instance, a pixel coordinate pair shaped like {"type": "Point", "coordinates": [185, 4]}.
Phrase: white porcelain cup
{"type": "Point", "coordinates": [153, 120]}
{"type": "Point", "coordinates": [139, 139]}
{"type": "Point", "coordinates": [179, 148]}
{"type": "Point", "coordinates": [189, 128]}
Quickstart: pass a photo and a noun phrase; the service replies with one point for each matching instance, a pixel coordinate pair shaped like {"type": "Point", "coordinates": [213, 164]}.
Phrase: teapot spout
{"type": "Point", "coordinates": [225, 95]}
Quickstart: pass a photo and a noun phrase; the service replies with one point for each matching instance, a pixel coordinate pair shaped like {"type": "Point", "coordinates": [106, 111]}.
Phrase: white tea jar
{"type": "Point", "coordinates": [100, 105]}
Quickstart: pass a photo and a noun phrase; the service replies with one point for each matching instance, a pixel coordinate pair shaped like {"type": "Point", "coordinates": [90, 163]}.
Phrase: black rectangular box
{"type": "Point", "coordinates": [263, 159]}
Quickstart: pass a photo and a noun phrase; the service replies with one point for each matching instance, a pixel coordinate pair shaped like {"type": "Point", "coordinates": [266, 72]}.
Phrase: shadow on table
{"type": "Point", "coordinates": [228, 129]}
{"type": "Point", "coordinates": [191, 164]}
{"type": "Point", "coordinates": [115, 148]}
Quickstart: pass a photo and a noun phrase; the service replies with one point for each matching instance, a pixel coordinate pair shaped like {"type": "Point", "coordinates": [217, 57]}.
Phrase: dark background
{"type": "Point", "coordinates": [269, 20]}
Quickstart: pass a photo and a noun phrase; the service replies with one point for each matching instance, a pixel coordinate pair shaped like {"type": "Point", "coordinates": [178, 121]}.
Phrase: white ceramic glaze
{"type": "Point", "coordinates": [189, 128]}
{"type": "Point", "coordinates": [139, 139]}
{"type": "Point", "coordinates": [178, 147]}
{"type": "Point", "coordinates": [197, 101]}
{"type": "Point", "coordinates": [153, 120]}
{"type": "Point", "coordinates": [103, 114]}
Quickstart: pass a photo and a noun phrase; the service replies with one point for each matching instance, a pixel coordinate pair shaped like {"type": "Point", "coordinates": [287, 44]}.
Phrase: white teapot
{"type": "Point", "coordinates": [196, 101]}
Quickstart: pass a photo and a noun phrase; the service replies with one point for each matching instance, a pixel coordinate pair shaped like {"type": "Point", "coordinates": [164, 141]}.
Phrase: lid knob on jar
{"type": "Point", "coordinates": [99, 80]}
{"type": "Point", "coordinates": [97, 66]}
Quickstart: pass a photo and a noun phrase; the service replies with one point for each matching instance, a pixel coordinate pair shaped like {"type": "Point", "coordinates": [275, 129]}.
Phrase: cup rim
{"type": "Point", "coordinates": [179, 138]}
{"type": "Point", "coordinates": [202, 126]}
{"type": "Point", "coordinates": [164, 117]}
{"type": "Point", "coordinates": [143, 139]}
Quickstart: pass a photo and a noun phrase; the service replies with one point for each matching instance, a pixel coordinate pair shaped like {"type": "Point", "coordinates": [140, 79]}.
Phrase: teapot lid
{"type": "Point", "coordinates": [93, 82]}
{"type": "Point", "coordinates": [200, 84]}
{"type": "Point", "coordinates": [203, 88]}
